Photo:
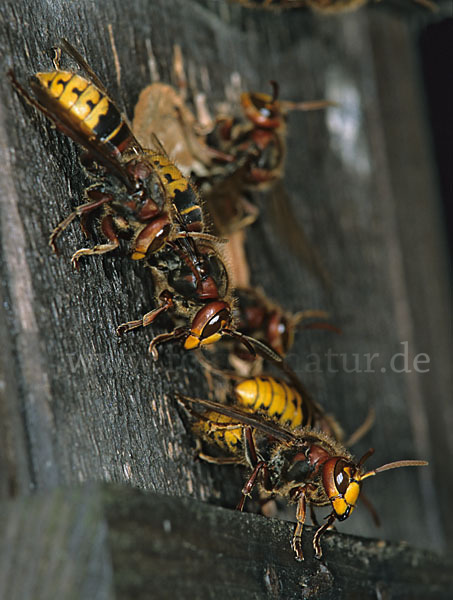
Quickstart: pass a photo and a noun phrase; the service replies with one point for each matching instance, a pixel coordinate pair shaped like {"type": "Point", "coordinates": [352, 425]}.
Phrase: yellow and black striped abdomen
{"type": "Point", "coordinates": [171, 175]}
{"type": "Point", "coordinates": [180, 190]}
{"type": "Point", "coordinates": [220, 430]}
{"type": "Point", "coordinates": [276, 399]}
{"type": "Point", "coordinates": [85, 109]}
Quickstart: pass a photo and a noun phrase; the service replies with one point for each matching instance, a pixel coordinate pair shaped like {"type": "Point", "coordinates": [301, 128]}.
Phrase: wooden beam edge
{"type": "Point", "coordinates": [104, 541]}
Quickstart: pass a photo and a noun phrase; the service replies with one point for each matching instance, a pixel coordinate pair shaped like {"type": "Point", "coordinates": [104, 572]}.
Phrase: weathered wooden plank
{"type": "Point", "coordinates": [55, 545]}
{"type": "Point", "coordinates": [77, 405]}
{"type": "Point", "coordinates": [105, 541]}
{"type": "Point", "coordinates": [424, 258]}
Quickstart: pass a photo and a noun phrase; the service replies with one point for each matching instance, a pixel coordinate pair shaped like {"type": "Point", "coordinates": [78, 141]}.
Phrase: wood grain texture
{"type": "Point", "coordinates": [77, 406]}
{"type": "Point", "coordinates": [103, 542]}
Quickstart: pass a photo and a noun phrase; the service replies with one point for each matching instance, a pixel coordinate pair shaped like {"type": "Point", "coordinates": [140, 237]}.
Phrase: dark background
{"type": "Point", "coordinates": [436, 59]}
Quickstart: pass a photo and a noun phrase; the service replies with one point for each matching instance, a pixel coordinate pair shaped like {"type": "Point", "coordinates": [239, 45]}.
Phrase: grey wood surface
{"type": "Point", "coordinates": [77, 406]}
{"type": "Point", "coordinates": [103, 542]}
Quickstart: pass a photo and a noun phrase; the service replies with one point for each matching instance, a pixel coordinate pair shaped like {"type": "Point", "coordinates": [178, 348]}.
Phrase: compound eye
{"type": "Point", "coordinates": [216, 323]}
{"type": "Point", "coordinates": [342, 475]}
{"type": "Point", "coordinates": [261, 101]}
